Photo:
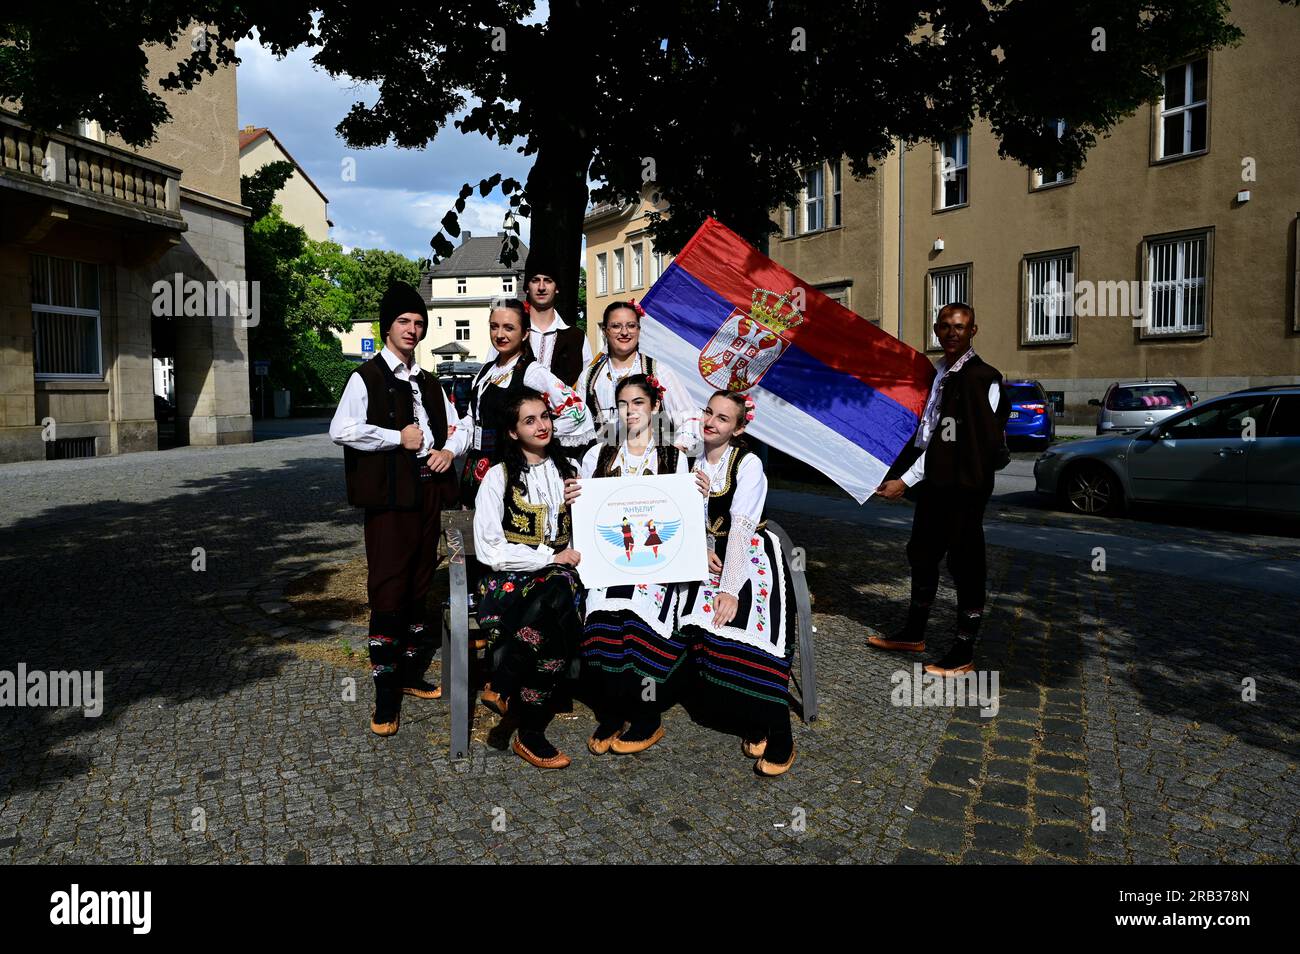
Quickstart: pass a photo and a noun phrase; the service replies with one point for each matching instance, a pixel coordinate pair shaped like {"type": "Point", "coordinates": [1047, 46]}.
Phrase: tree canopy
{"type": "Point", "coordinates": [713, 105]}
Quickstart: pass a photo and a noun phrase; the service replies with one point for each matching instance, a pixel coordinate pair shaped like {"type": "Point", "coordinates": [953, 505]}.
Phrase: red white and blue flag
{"type": "Point", "coordinates": [830, 388]}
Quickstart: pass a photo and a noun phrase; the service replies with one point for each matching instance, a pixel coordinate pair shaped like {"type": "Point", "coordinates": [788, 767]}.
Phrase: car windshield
{"type": "Point", "coordinates": [1148, 397]}
{"type": "Point", "coordinates": [1024, 393]}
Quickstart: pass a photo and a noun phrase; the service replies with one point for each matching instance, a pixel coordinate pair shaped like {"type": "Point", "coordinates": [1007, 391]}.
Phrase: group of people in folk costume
{"type": "Point", "coordinates": [544, 415]}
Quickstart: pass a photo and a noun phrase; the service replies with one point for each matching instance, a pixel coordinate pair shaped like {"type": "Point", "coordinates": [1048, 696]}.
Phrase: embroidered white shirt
{"type": "Point", "coordinates": [349, 427]}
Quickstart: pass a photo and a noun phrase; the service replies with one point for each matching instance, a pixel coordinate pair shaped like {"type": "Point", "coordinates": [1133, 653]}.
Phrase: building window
{"type": "Point", "coordinates": [638, 266]}
{"type": "Point", "coordinates": [657, 265]}
{"type": "Point", "coordinates": [65, 318]}
{"type": "Point", "coordinates": [1049, 298]}
{"type": "Point", "coordinates": [1178, 297]}
{"type": "Point", "coordinates": [1184, 110]}
{"type": "Point", "coordinates": [954, 170]}
{"type": "Point", "coordinates": [602, 274]}
{"type": "Point", "coordinates": [946, 286]}
{"type": "Point", "coordinates": [836, 210]}
{"type": "Point", "coordinates": [618, 269]}
{"type": "Point", "coordinates": [462, 329]}
{"type": "Point", "coordinates": [814, 198]}
{"type": "Point", "coordinates": [462, 286]}
{"type": "Point", "coordinates": [1050, 177]}
{"type": "Point", "coordinates": [791, 221]}
{"type": "Point", "coordinates": [508, 285]}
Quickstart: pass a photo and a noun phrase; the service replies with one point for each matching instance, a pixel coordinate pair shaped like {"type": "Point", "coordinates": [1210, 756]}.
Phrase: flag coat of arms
{"type": "Point", "coordinates": [831, 389]}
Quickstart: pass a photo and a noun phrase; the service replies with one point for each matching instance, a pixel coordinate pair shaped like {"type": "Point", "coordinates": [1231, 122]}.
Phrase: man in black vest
{"type": "Point", "coordinates": [958, 446]}
{"type": "Point", "coordinates": [560, 348]}
{"type": "Point", "coordinates": [399, 437]}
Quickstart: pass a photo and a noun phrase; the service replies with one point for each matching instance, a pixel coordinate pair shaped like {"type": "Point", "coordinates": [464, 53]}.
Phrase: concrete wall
{"type": "Point", "coordinates": [300, 204]}
{"type": "Point", "coordinates": [855, 262]}
{"type": "Point", "coordinates": [212, 397]}
{"type": "Point", "coordinates": [202, 136]}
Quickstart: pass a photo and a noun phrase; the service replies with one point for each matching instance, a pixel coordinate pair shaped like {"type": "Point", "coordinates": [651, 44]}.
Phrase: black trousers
{"type": "Point", "coordinates": [948, 521]}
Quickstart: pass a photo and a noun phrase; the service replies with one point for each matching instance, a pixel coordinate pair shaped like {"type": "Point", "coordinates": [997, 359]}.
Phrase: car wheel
{"type": "Point", "coordinates": [1093, 490]}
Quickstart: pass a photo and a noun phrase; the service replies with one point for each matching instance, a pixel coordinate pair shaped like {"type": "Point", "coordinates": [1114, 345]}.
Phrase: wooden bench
{"type": "Point", "coordinates": [459, 627]}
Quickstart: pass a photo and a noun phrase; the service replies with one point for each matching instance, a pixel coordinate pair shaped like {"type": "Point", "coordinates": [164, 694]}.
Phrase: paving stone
{"type": "Point", "coordinates": [193, 662]}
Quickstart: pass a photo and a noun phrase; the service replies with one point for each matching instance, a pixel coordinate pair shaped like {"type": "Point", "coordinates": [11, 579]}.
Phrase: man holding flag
{"type": "Point", "coordinates": [950, 461]}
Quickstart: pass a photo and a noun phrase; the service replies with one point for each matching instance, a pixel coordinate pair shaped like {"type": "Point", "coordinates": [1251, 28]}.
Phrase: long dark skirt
{"type": "Point", "coordinates": [537, 616]}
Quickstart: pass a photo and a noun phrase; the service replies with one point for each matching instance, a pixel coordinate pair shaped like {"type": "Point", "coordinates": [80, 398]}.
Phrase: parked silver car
{"type": "Point", "coordinates": [1241, 450]}
{"type": "Point", "coordinates": [1132, 405]}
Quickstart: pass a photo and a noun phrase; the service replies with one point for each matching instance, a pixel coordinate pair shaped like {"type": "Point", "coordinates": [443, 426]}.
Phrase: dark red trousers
{"type": "Point", "coordinates": [401, 553]}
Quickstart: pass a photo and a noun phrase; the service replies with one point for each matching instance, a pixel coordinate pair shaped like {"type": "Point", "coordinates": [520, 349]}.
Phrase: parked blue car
{"type": "Point", "coordinates": [1031, 413]}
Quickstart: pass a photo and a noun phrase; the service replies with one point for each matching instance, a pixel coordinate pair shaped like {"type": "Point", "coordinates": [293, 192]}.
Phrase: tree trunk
{"type": "Point", "coordinates": [563, 102]}
{"type": "Point", "coordinates": [557, 192]}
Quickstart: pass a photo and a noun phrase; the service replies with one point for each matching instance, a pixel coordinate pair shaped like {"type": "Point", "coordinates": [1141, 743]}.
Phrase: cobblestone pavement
{"type": "Point", "coordinates": [1121, 732]}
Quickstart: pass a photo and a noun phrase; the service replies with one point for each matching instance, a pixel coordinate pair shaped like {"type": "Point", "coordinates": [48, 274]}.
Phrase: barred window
{"type": "Point", "coordinates": [66, 318]}
{"type": "Point", "coordinates": [1049, 302]}
{"type": "Point", "coordinates": [946, 286]}
{"type": "Point", "coordinates": [1176, 278]}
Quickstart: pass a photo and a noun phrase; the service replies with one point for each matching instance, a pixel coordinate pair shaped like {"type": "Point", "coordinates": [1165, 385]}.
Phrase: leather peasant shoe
{"type": "Point", "coordinates": [557, 761]}
{"type": "Point", "coordinates": [600, 746]}
{"type": "Point", "coordinates": [896, 645]}
{"type": "Point", "coordinates": [624, 747]}
{"type": "Point", "coordinates": [385, 728]}
{"type": "Point", "coordinates": [494, 700]}
{"type": "Point", "coordinates": [770, 769]}
{"type": "Point", "coordinates": [423, 690]}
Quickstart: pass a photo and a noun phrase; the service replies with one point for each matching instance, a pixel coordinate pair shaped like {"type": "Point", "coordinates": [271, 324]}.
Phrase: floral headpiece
{"type": "Point", "coordinates": [640, 312]}
{"type": "Point", "coordinates": [653, 381]}
{"type": "Point", "coordinates": [749, 408]}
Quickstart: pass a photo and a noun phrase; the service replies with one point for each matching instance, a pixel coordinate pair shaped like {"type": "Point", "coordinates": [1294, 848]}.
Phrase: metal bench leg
{"type": "Point", "coordinates": [455, 649]}
{"type": "Point", "coordinates": [803, 609]}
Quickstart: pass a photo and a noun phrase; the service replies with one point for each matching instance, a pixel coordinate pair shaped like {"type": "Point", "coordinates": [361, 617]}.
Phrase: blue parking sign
{"type": "Point", "coordinates": [367, 345]}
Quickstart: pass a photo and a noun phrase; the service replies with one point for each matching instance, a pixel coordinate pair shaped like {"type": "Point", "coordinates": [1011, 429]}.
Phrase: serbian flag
{"type": "Point", "coordinates": [830, 388]}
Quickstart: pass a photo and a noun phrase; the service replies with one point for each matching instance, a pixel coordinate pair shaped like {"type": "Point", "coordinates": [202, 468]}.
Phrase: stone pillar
{"type": "Point", "coordinates": [20, 432]}
{"type": "Point", "coordinates": [212, 404]}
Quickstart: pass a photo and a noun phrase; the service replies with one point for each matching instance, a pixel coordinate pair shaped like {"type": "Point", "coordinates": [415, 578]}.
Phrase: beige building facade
{"type": "Point", "coordinates": [458, 292]}
{"type": "Point", "coordinates": [301, 202]}
{"type": "Point", "coordinates": [113, 262]}
{"type": "Point", "coordinates": [620, 260]}
{"type": "Point", "coordinates": [1170, 254]}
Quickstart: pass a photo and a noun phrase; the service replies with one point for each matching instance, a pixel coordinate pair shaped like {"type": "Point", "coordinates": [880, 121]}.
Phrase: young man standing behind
{"type": "Point", "coordinates": [399, 438]}
{"type": "Point", "coordinates": [557, 346]}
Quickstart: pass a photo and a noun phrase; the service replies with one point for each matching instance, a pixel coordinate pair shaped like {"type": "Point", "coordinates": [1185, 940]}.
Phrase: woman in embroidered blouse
{"type": "Point", "coordinates": [738, 622]}
{"type": "Point", "coordinates": [501, 381]}
{"type": "Point", "coordinates": [628, 645]}
{"type": "Point", "coordinates": [531, 594]}
{"type": "Point", "coordinates": [621, 326]}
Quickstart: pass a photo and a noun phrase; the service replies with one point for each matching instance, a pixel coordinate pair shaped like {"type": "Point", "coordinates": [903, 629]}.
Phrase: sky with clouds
{"type": "Point", "coordinates": [399, 196]}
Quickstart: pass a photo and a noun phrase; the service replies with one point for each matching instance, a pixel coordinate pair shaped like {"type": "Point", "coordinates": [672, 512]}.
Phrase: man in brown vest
{"type": "Point", "coordinates": [399, 437]}
{"type": "Point", "coordinates": [560, 348]}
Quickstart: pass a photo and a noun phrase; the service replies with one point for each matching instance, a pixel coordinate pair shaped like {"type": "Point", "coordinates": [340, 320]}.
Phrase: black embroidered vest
{"type": "Point", "coordinates": [666, 461]}
{"type": "Point", "coordinates": [597, 369]}
{"type": "Point", "coordinates": [524, 522]}
{"type": "Point", "coordinates": [390, 479]}
{"type": "Point", "coordinates": [720, 502]}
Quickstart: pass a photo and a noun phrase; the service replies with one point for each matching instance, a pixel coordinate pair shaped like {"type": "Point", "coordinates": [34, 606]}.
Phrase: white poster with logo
{"type": "Point", "coordinates": [647, 529]}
